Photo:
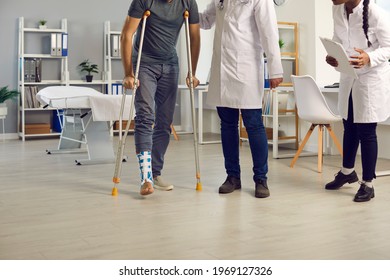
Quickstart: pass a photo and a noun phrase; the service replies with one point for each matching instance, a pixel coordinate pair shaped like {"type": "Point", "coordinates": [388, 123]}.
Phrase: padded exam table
{"type": "Point", "coordinates": [86, 114]}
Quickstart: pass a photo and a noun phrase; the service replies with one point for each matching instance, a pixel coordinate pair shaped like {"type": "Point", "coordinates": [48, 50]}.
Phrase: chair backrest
{"type": "Point", "coordinates": [311, 104]}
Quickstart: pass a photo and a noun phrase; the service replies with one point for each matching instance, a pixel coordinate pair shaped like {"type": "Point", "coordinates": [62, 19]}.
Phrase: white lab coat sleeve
{"type": "Point", "coordinates": [337, 20]}
{"type": "Point", "coordinates": [207, 17]}
{"type": "Point", "coordinates": [267, 25]}
{"type": "Point", "coordinates": [381, 54]}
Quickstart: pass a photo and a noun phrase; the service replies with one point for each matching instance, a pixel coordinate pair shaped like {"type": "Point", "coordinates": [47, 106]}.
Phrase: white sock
{"type": "Point", "coordinates": [368, 184]}
{"type": "Point", "coordinates": [347, 171]}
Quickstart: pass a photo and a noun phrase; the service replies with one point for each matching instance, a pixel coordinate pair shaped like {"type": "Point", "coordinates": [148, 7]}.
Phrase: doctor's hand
{"type": "Point", "coordinates": [361, 60]}
{"type": "Point", "coordinates": [332, 61]}
{"type": "Point", "coordinates": [275, 82]}
{"type": "Point", "coordinates": [129, 82]}
{"type": "Point", "coordinates": [195, 81]}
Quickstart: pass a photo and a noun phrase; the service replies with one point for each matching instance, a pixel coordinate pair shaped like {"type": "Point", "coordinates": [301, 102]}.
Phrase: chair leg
{"type": "Point", "coordinates": [174, 133]}
{"type": "Point", "coordinates": [320, 147]}
{"type": "Point", "coordinates": [335, 140]}
{"type": "Point", "coordinates": [310, 131]}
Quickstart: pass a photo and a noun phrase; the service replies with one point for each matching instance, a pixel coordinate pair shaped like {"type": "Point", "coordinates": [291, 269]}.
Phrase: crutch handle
{"type": "Point", "coordinates": [147, 13]}
{"type": "Point", "coordinates": [186, 14]}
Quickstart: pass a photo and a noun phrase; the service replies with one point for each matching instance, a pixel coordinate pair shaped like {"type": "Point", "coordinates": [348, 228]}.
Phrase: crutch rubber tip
{"type": "Point", "coordinates": [114, 192]}
{"type": "Point", "coordinates": [199, 187]}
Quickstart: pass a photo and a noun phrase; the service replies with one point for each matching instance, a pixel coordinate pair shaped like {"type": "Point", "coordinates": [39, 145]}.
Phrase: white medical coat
{"type": "Point", "coordinates": [244, 30]}
{"type": "Point", "coordinates": [371, 91]}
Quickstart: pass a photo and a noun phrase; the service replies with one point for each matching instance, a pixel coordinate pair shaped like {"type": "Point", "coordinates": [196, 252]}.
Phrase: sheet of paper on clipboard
{"type": "Point", "coordinates": [337, 51]}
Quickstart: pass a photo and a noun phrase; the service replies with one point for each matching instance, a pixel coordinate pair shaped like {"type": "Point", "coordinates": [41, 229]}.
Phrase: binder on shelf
{"type": "Point", "coordinates": [115, 45]}
{"type": "Point", "coordinates": [114, 89]}
{"type": "Point", "coordinates": [26, 69]}
{"type": "Point", "coordinates": [59, 44]}
{"type": "Point", "coordinates": [120, 89]}
{"type": "Point", "coordinates": [64, 44]}
{"type": "Point", "coordinates": [53, 48]}
{"type": "Point", "coordinates": [38, 70]}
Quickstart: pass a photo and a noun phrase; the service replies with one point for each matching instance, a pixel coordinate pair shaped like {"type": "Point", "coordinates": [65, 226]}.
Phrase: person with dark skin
{"type": "Point", "coordinates": [363, 29]}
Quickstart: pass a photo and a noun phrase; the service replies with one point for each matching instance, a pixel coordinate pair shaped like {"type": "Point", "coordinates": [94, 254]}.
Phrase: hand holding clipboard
{"type": "Point", "coordinates": [336, 50]}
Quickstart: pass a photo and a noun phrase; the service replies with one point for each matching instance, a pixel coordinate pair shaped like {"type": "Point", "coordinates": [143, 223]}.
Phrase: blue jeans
{"type": "Point", "coordinates": [257, 141]}
{"type": "Point", "coordinates": [365, 134]}
{"type": "Point", "coordinates": [155, 102]}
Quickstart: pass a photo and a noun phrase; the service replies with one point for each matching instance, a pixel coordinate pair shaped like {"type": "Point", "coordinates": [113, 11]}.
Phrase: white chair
{"type": "Point", "coordinates": [312, 107]}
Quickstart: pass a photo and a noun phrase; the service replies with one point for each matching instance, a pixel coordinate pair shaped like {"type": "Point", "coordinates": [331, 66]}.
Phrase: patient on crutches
{"type": "Point", "coordinates": [157, 79]}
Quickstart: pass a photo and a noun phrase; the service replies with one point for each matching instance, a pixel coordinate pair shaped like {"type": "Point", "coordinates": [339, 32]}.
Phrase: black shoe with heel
{"type": "Point", "coordinates": [341, 179]}
{"type": "Point", "coordinates": [365, 193]}
{"type": "Point", "coordinates": [230, 185]}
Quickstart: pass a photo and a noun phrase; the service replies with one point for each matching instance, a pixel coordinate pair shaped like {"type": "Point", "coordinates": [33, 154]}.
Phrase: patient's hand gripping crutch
{"type": "Point", "coordinates": [122, 139]}
{"type": "Point", "coordinates": [198, 183]}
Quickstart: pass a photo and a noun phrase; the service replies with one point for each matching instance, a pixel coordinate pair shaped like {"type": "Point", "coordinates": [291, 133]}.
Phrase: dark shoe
{"type": "Point", "coordinates": [261, 189]}
{"type": "Point", "coordinates": [365, 193]}
{"type": "Point", "coordinates": [342, 179]}
{"type": "Point", "coordinates": [231, 183]}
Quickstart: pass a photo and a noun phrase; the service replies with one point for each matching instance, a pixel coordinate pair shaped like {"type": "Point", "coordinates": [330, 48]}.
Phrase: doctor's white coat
{"type": "Point", "coordinates": [244, 30]}
{"type": "Point", "coordinates": [371, 91]}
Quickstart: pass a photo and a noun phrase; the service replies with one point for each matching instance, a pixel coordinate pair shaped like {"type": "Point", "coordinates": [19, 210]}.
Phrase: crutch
{"type": "Point", "coordinates": [122, 139]}
{"type": "Point", "coordinates": [198, 183]}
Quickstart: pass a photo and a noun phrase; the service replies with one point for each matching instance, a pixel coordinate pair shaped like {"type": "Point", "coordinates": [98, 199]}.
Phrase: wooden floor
{"type": "Point", "coordinates": [52, 209]}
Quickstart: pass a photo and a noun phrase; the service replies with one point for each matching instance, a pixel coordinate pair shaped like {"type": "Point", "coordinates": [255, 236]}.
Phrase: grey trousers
{"type": "Point", "coordinates": [155, 102]}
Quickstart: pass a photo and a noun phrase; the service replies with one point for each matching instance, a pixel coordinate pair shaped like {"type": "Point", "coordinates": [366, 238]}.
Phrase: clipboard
{"type": "Point", "coordinates": [337, 51]}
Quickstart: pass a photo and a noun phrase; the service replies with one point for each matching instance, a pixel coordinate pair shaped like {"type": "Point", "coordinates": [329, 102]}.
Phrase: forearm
{"type": "Point", "coordinates": [126, 53]}
{"type": "Point", "coordinates": [195, 46]}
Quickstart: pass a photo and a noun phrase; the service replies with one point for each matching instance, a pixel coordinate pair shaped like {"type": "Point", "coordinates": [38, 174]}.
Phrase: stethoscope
{"type": "Point", "coordinates": [220, 4]}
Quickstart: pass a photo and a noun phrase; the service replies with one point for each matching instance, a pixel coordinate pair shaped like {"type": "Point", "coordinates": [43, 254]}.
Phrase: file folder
{"type": "Point", "coordinates": [115, 45]}
{"type": "Point", "coordinates": [64, 44]}
{"type": "Point", "coordinates": [59, 44]}
{"type": "Point", "coordinates": [53, 48]}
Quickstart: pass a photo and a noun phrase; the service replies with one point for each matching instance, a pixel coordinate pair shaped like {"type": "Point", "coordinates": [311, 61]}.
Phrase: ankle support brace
{"type": "Point", "coordinates": [145, 166]}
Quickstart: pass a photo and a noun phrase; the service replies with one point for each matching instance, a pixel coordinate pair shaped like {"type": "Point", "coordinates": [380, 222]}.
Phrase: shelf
{"type": "Point", "coordinates": [82, 82]}
{"type": "Point", "coordinates": [46, 82]}
{"type": "Point", "coordinates": [37, 30]}
{"type": "Point", "coordinates": [40, 135]}
{"type": "Point", "coordinates": [47, 56]}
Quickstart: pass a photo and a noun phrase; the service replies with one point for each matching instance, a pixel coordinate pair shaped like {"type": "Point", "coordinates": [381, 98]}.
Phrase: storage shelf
{"type": "Point", "coordinates": [27, 72]}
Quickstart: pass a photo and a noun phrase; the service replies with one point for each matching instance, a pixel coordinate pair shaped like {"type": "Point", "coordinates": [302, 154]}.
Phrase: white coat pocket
{"type": "Point", "coordinates": [248, 65]}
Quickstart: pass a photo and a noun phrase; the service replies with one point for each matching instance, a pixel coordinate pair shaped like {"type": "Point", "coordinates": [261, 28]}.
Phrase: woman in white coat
{"type": "Point", "coordinates": [244, 31]}
{"type": "Point", "coordinates": [364, 31]}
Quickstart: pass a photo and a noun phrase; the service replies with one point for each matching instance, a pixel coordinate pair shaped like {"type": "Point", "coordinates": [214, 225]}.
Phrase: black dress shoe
{"type": "Point", "coordinates": [231, 183]}
{"type": "Point", "coordinates": [261, 189]}
{"type": "Point", "coordinates": [365, 193]}
{"type": "Point", "coordinates": [342, 179]}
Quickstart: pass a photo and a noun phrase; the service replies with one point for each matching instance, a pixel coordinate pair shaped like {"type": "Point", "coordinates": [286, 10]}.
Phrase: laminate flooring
{"type": "Point", "coordinates": [51, 208]}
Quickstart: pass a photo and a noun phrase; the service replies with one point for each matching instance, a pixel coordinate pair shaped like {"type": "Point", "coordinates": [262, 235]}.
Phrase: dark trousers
{"type": "Point", "coordinates": [257, 140]}
{"type": "Point", "coordinates": [365, 134]}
